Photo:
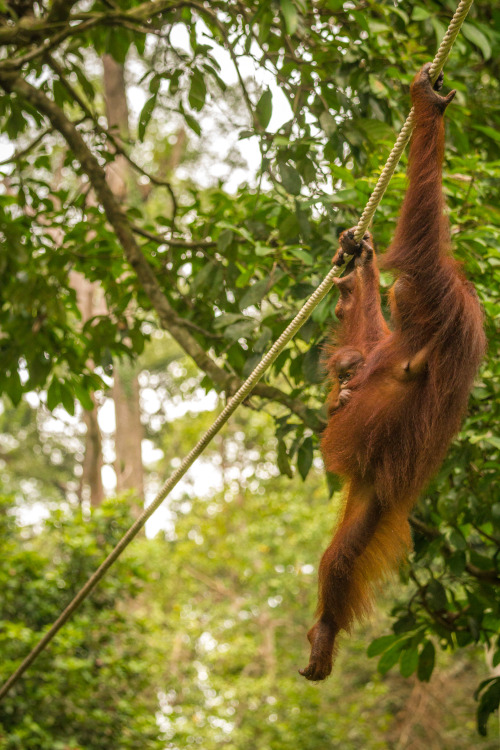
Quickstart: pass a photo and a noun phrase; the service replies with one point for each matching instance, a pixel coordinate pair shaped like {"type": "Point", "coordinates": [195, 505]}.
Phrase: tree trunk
{"type": "Point", "coordinates": [128, 433]}
{"type": "Point", "coordinates": [92, 463]}
{"type": "Point", "coordinates": [91, 479]}
{"type": "Point", "coordinates": [128, 463]}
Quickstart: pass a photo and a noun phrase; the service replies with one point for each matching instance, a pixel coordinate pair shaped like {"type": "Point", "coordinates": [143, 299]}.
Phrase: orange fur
{"type": "Point", "coordinates": [407, 393]}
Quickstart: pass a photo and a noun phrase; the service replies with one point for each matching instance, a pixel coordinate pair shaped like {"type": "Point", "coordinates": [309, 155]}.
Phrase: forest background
{"type": "Point", "coordinates": [174, 177]}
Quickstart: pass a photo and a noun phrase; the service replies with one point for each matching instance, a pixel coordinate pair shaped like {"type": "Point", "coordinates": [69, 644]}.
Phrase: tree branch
{"type": "Point", "coordinates": [31, 30]}
{"type": "Point", "coordinates": [488, 576]}
{"type": "Point", "coordinates": [12, 82]}
{"type": "Point", "coordinates": [161, 240]}
{"type": "Point", "coordinates": [60, 10]}
{"type": "Point", "coordinates": [24, 151]}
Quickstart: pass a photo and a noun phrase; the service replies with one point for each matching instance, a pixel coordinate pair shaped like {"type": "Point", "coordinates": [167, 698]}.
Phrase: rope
{"type": "Point", "coordinates": [253, 378]}
{"type": "Point", "coordinates": [404, 136]}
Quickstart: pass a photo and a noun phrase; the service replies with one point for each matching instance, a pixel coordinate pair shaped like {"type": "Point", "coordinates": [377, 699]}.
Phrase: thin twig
{"type": "Point", "coordinates": [172, 241]}
{"type": "Point", "coordinates": [17, 155]}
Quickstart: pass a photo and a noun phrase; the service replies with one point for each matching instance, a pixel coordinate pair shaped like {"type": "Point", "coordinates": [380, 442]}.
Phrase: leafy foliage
{"type": "Point", "coordinates": [91, 689]}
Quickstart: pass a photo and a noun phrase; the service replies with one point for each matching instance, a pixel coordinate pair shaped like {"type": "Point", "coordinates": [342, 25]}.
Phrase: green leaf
{"type": "Point", "coordinates": [436, 595]}
{"type": "Point", "coordinates": [439, 29]}
{"type": "Point", "coordinates": [457, 540]}
{"type": "Point", "coordinates": [476, 605]}
{"type": "Point", "coordinates": [477, 37]}
{"type": "Point", "coordinates": [290, 15]}
{"type": "Point", "coordinates": [154, 84]}
{"type": "Point", "coordinates": [263, 340]}
{"type": "Point", "coordinates": [405, 623]}
{"type": "Point", "coordinates": [281, 360]}
{"type": "Point", "coordinates": [244, 277]}
{"type": "Point", "coordinates": [379, 645]}
{"type": "Point", "coordinates": [53, 394]}
{"type": "Point", "coordinates": [203, 277]}
{"type": "Point", "coordinates": [226, 319]}
{"type": "Point", "coordinates": [301, 291]}
{"type": "Point", "coordinates": [140, 43]}
{"type": "Point", "coordinates": [420, 14]}
{"type": "Point", "coordinates": [493, 440]}
{"type": "Point", "coordinates": [174, 82]}
{"type": "Point", "coordinates": [261, 250]}
{"type": "Point", "coordinates": [311, 365]}
{"type": "Point", "coordinates": [464, 638]}
{"type": "Point", "coordinates": [401, 13]}
{"type": "Point", "coordinates": [83, 396]}
{"type": "Point", "coordinates": [289, 227]}
{"type": "Point", "coordinates": [333, 483]}
{"type": "Point", "coordinates": [145, 116]}
{"type": "Point", "coordinates": [67, 398]}
{"type": "Point", "coordinates": [137, 338]}
{"type": "Point", "coordinates": [16, 122]}
{"type": "Point", "coordinates": [251, 364]}
{"type": "Point", "coordinates": [483, 562]}
{"type": "Point", "coordinates": [456, 563]}
{"type": "Point", "coordinates": [377, 27]}
{"type": "Point", "coordinates": [254, 294]}
{"type": "Point", "coordinates": [192, 123]}
{"type": "Point", "coordinates": [302, 255]}
{"type": "Point", "coordinates": [14, 388]}
{"type": "Point", "coordinates": [224, 240]}
{"type": "Point", "coordinates": [283, 460]}
{"type": "Point", "coordinates": [240, 330]}
{"type": "Point", "coordinates": [60, 93]}
{"type": "Point", "coordinates": [488, 704]}
{"type": "Point", "coordinates": [118, 45]}
{"type": "Point", "coordinates": [305, 457]}
{"type": "Point", "coordinates": [290, 179]}
{"type": "Point", "coordinates": [389, 658]}
{"type": "Point", "coordinates": [426, 662]}
{"type": "Point", "coordinates": [87, 87]}
{"type": "Point", "coordinates": [347, 196]}
{"type": "Point", "coordinates": [360, 19]}
{"type": "Point", "coordinates": [328, 123]}
{"type": "Point", "coordinates": [408, 661]}
{"type": "Point", "coordinates": [197, 91]}
{"type": "Point", "coordinates": [264, 109]}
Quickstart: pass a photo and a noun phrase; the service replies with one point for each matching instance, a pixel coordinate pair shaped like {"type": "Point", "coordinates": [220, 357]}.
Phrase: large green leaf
{"type": "Point", "coordinates": [264, 108]}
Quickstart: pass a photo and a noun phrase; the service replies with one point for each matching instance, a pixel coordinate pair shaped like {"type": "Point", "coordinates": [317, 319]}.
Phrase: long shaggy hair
{"type": "Point", "coordinates": [398, 394]}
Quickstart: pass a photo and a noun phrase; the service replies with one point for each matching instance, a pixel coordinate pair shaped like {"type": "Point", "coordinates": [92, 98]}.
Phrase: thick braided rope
{"type": "Point", "coordinates": [247, 386]}
{"type": "Point", "coordinates": [404, 136]}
